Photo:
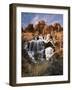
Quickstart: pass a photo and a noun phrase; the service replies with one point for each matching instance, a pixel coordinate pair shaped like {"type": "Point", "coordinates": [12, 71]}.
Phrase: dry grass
{"type": "Point", "coordinates": [52, 67]}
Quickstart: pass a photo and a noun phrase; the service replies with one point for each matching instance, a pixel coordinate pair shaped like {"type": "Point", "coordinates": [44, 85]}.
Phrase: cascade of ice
{"type": "Point", "coordinates": [34, 47]}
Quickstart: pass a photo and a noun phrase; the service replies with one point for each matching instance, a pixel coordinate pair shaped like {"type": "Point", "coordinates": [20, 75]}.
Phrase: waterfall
{"type": "Point", "coordinates": [35, 49]}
